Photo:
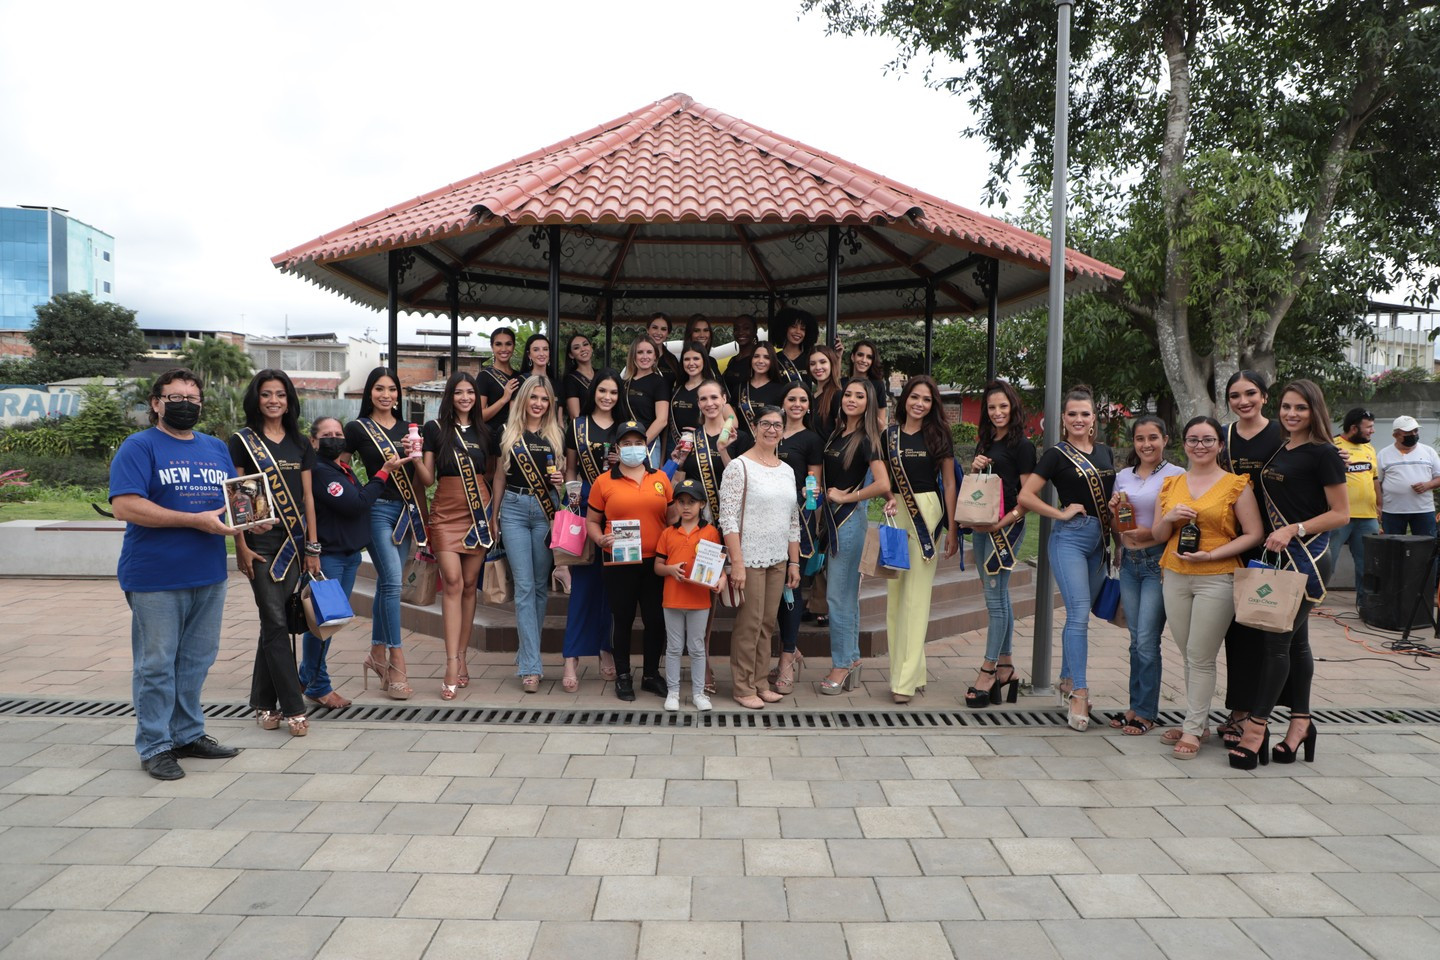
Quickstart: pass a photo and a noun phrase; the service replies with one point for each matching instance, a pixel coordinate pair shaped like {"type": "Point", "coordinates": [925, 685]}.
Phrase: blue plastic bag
{"type": "Point", "coordinates": [894, 547]}
{"type": "Point", "coordinates": [1107, 601]}
{"type": "Point", "coordinates": [331, 605]}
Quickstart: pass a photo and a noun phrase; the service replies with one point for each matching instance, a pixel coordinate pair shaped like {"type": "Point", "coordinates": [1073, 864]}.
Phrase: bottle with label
{"type": "Point", "coordinates": [416, 445]}
{"type": "Point", "coordinates": [1125, 515]}
{"type": "Point", "coordinates": [812, 490]}
{"type": "Point", "coordinates": [549, 466]}
{"type": "Point", "coordinates": [1189, 538]}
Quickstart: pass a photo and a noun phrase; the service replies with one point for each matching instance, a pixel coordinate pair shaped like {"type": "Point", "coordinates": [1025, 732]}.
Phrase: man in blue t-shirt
{"type": "Point", "coordinates": [166, 484]}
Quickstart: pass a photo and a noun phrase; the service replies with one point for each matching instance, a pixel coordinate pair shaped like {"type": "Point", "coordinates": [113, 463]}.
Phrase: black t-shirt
{"type": "Point", "coordinates": [825, 420]}
{"type": "Point", "coordinates": [839, 475]}
{"type": "Point", "coordinates": [540, 448]}
{"type": "Point", "coordinates": [684, 409]}
{"type": "Point", "coordinates": [492, 390]}
{"type": "Point", "coordinates": [801, 451]}
{"type": "Point", "coordinates": [597, 438]}
{"type": "Point", "coordinates": [751, 399]}
{"type": "Point", "coordinates": [1296, 479]}
{"type": "Point", "coordinates": [921, 470]}
{"type": "Point", "coordinates": [640, 396]}
{"type": "Point", "coordinates": [1250, 456]}
{"type": "Point", "coordinates": [445, 466]}
{"type": "Point", "coordinates": [358, 441]}
{"type": "Point", "coordinates": [574, 384]}
{"type": "Point", "coordinates": [1010, 464]}
{"type": "Point", "coordinates": [737, 371]}
{"type": "Point", "coordinates": [290, 457]}
{"type": "Point", "coordinates": [789, 371]}
{"type": "Point", "coordinates": [1070, 486]}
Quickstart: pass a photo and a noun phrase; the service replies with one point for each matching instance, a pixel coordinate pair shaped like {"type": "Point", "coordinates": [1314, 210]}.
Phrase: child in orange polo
{"type": "Point", "coordinates": [687, 604]}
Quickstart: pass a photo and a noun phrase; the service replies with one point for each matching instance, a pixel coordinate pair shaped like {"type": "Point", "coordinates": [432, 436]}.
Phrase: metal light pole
{"type": "Point", "coordinates": [1055, 343]}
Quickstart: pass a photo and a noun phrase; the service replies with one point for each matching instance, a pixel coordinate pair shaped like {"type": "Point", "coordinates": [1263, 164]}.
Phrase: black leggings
{"type": "Point", "coordinates": [1286, 663]}
{"type": "Point", "coordinates": [275, 681]}
{"type": "Point", "coordinates": [631, 586]}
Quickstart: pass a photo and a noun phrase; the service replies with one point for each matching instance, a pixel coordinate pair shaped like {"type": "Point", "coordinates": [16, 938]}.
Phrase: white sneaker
{"type": "Point", "coordinates": [672, 702]}
{"type": "Point", "coordinates": [701, 701]}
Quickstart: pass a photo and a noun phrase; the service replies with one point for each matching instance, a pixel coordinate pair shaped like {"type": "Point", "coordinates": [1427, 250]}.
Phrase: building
{"type": "Point", "coordinates": [45, 251]}
{"type": "Point", "coordinates": [1399, 338]}
{"type": "Point", "coordinates": [317, 363]}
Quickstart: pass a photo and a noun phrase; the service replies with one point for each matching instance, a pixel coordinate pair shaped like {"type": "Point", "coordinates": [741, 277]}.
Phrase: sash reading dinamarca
{"type": "Point", "coordinates": [907, 492]}
{"type": "Point", "coordinates": [705, 466]}
{"type": "Point", "coordinates": [412, 521]}
{"type": "Point", "coordinates": [476, 498]}
{"type": "Point", "coordinates": [285, 503]}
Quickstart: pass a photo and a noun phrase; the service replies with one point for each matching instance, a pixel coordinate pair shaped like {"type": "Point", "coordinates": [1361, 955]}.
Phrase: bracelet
{"type": "Point", "coordinates": [793, 563]}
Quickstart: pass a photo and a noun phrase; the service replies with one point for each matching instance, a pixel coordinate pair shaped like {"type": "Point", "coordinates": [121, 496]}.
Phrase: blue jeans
{"type": "Point", "coordinates": [389, 560]}
{"type": "Point", "coordinates": [1418, 524]}
{"type": "Point", "coordinates": [842, 589]}
{"type": "Point", "coordinates": [1001, 629]}
{"type": "Point", "coordinates": [1145, 612]}
{"type": "Point", "coordinates": [1354, 534]}
{"type": "Point", "coordinates": [526, 530]}
{"type": "Point", "coordinates": [1075, 557]}
{"type": "Point", "coordinates": [313, 675]}
{"type": "Point", "coordinates": [174, 638]}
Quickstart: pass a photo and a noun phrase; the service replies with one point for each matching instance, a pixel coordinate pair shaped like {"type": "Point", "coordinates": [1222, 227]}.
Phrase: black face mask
{"type": "Point", "coordinates": [1409, 439]}
{"type": "Point", "coordinates": [181, 416]}
{"type": "Point", "coordinates": [330, 448]}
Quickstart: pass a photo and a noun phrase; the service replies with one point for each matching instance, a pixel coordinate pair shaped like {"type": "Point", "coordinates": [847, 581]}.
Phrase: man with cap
{"type": "Point", "coordinates": [1408, 471]}
{"type": "Point", "coordinates": [1362, 484]}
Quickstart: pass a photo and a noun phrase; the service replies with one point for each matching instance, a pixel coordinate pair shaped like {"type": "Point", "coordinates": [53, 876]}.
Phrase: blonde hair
{"type": "Point", "coordinates": [549, 424]}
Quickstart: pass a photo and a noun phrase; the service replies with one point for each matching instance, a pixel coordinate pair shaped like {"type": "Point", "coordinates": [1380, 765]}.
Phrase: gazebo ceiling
{"type": "Point", "coordinates": [679, 207]}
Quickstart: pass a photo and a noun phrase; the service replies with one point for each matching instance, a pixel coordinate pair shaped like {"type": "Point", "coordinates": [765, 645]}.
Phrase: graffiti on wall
{"type": "Point", "coordinates": [21, 404]}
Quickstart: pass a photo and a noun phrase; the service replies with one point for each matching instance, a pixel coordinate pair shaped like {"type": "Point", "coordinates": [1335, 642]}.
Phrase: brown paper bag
{"type": "Point", "coordinates": [417, 580]}
{"type": "Point", "coordinates": [495, 586]}
{"type": "Point", "coordinates": [870, 557]}
{"type": "Point", "coordinates": [563, 559]}
{"type": "Point", "coordinates": [1268, 599]}
{"type": "Point", "coordinates": [980, 501]}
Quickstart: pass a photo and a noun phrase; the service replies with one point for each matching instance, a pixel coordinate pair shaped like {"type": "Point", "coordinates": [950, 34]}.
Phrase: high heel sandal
{"type": "Point", "coordinates": [1011, 686]}
{"type": "Point", "coordinates": [394, 689]}
{"type": "Point", "coordinates": [977, 697]}
{"type": "Point", "coordinates": [788, 675]}
{"type": "Point", "coordinates": [462, 680]}
{"type": "Point", "coordinates": [1243, 758]}
{"type": "Point", "coordinates": [851, 680]}
{"type": "Point", "coordinates": [607, 670]}
{"type": "Point", "coordinates": [298, 725]}
{"type": "Point", "coordinates": [447, 690]}
{"type": "Point", "coordinates": [530, 683]}
{"type": "Point", "coordinates": [569, 681]}
{"type": "Point", "coordinates": [268, 719]}
{"type": "Point", "coordinates": [1230, 730]}
{"type": "Point", "coordinates": [1078, 721]}
{"type": "Point", "coordinates": [559, 584]}
{"type": "Point", "coordinates": [1282, 752]}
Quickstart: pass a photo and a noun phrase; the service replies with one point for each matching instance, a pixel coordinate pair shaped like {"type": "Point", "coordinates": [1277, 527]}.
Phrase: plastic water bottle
{"type": "Point", "coordinates": [811, 490]}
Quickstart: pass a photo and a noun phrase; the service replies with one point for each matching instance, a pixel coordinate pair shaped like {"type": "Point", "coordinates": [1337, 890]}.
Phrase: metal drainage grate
{"type": "Point", "coordinates": [872, 720]}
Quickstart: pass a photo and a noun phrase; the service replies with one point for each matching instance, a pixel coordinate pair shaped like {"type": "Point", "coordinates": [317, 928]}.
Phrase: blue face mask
{"type": "Point", "coordinates": [632, 456]}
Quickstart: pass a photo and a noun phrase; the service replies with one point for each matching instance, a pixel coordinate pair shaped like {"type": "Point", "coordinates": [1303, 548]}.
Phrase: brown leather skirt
{"type": "Point", "coordinates": [450, 518]}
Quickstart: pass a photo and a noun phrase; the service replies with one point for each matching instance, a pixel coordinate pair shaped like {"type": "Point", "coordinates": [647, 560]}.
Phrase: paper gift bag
{"type": "Point", "coordinates": [567, 533]}
{"type": "Point", "coordinates": [417, 581]}
{"type": "Point", "coordinates": [981, 499]}
{"type": "Point", "coordinates": [870, 564]}
{"type": "Point", "coordinates": [894, 546]}
{"type": "Point", "coordinates": [495, 586]}
{"type": "Point", "coordinates": [327, 609]}
{"type": "Point", "coordinates": [586, 555]}
{"type": "Point", "coordinates": [1268, 599]}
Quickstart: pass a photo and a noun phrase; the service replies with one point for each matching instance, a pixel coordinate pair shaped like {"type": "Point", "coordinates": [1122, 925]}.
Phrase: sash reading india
{"type": "Point", "coordinates": [476, 497]}
{"type": "Point", "coordinates": [907, 492]}
{"type": "Point", "coordinates": [285, 503]}
{"type": "Point", "coordinates": [411, 522]}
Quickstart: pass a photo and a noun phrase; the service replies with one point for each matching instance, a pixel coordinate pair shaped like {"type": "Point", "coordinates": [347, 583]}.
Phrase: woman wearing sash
{"type": "Point", "coordinates": [657, 331]}
{"type": "Point", "coordinates": [737, 368]}
{"type": "Point", "coordinates": [920, 455]}
{"type": "Point", "coordinates": [793, 333]}
{"type": "Point", "coordinates": [1303, 492]}
{"type": "Point", "coordinates": [459, 518]}
{"type": "Point", "coordinates": [865, 362]}
{"type": "Point", "coordinates": [526, 479]}
{"type": "Point", "coordinates": [1004, 450]}
{"type": "Point", "coordinates": [271, 443]}
{"type": "Point", "coordinates": [765, 388]}
{"type": "Point", "coordinates": [1199, 586]}
{"type": "Point", "coordinates": [647, 395]}
{"type": "Point", "coordinates": [579, 372]}
{"type": "Point", "coordinates": [537, 359]}
{"type": "Point", "coordinates": [803, 451]}
{"type": "Point", "coordinates": [1083, 472]}
{"type": "Point", "coordinates": [825, 374]}
{"type": "Point", "coordinates": [379, 436]}
{"type": "Point", "coordinates": [1140, 556]}
{"type": "Point", "coordinates": [685, 402]}
{"type": "Point", "coordinates": [590, 452]}
{"type": "Point", "coordinates": [698, 331]}
{"type": "Point", "coordinates": [854, 450]}
{"type": "Point", "coordinates": [1250, 442]}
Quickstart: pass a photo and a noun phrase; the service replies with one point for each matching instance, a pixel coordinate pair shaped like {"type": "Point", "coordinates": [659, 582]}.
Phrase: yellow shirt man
{"type": "Point", "coordinates": [1362, 481]}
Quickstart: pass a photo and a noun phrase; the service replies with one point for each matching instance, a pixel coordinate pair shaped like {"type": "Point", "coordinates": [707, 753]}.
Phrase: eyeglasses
{"type": "Point", "coordinates": [1205, 443]}
{"type": "Point", "coordinates": [179, 398]}
{"type": "Point", "coordinates": [770, 425]}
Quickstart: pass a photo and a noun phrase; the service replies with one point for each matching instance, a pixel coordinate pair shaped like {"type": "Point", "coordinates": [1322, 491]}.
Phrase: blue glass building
{"type": "Point", "coordinates": [45, 251]}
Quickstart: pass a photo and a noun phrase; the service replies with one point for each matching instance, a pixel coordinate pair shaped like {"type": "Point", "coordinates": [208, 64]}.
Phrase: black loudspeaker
{"type": "Point", "coordinates": [1397, 569]}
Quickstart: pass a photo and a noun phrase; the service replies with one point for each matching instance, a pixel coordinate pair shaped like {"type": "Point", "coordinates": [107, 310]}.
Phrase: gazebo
{"type": "Point", "coordinates": [681, 208]}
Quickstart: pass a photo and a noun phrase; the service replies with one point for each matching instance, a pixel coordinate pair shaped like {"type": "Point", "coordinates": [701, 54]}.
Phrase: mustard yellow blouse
{"type": "Point", "coordinates": [1215, 518]}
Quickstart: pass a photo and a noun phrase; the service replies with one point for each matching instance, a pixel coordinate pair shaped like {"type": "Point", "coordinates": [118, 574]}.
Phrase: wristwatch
{"type": "Point", "coordinates": [1300, 529]}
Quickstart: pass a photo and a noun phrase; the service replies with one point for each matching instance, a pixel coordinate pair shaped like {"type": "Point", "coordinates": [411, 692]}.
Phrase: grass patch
{"type": "Point", "coordinates": [50, 510]}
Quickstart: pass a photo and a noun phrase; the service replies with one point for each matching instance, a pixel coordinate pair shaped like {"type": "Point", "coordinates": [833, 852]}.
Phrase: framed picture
{"type": "Point", "coordinates": [248, 501]}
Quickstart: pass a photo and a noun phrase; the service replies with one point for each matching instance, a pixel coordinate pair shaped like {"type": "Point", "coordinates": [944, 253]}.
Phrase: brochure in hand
{"type": "Point", "coordinates": [709, 563]}
{"type": "Point", "coordinates": [626, 547]}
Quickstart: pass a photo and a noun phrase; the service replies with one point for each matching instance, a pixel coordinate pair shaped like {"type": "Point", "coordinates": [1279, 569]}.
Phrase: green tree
{"type": "Point", "coordinates": [225, 369]}
{"type": "Point", "coordinates": [1248, 163]}
{"type": "Point", "coordinates": [101, 423]}
{"type": "Point", "coordinates": [77, 336]}
{"type": "Point", "coordinates": [901, 344]}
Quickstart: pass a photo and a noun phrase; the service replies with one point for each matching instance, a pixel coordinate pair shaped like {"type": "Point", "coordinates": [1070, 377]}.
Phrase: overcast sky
{"type": "Point", "coordinates": [209, 137]}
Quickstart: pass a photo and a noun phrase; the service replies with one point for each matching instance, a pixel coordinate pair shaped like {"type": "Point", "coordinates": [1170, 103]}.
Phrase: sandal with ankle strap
{"type": "Point", "coordinates": [298, 725]}
{"type": "Point", "coordinates": [975, 697]}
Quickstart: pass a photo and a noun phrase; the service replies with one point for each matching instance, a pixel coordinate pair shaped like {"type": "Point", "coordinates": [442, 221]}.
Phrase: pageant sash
{"type": "Point", "coordinates": [285, 503]}
{"type": "Point", "coordinates": [1302, 552]}
{"type": "Point", "coordinates": [534, 477]}
{"type": "Point", "coordinates": [835, 516]}
{"type": "Point", "coordinates": [476, 498]}
{"type": "Point", "coordinates": [787, 368]}
{"type": "Point", "coordinates": [1002, 552]}
{"type": "Point", "coordinates": [907, 492]}
{"type": "Point", "coordinates": [1091, 476]}
{"type": "Point", "coordinates": [590, 456]}
{"type": "Point", "coordinates": [705, 463]}
{"type": "Point", "coordinates": [496, 375]}
{"type": "Point", "coordinates": [411, 522]}
{"type": "Point", "coordinates": [749, 409]}
{"type": "Point", "coordinates": [809, 532]}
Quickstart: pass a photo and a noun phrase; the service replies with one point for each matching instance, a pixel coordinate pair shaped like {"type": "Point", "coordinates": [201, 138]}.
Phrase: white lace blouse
{"type": "Point", "coordinates": [772, 516]}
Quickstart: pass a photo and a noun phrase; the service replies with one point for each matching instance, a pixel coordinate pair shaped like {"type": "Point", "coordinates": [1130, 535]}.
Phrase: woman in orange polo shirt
{"type": "Point", "coordinates": [632, 490]}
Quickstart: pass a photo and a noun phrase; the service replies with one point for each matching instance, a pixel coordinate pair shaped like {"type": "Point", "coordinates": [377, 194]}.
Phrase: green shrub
{"type": "Point", "coordinates": [40, 438]}
{"type": "Point", "coordinates": [101, 424]}
{"type": "Point", "coordinates": [963, 432]}
{"type": "Point", "coordinates": [57, 472]}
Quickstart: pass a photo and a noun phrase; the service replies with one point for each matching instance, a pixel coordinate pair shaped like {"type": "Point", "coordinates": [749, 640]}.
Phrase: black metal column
{"type": "Point", "coordinates": [832, 285]}
{"type": "Point", "coordinates": [930, 327]}
{"type": "Point", "coordinates": [392, 309]}
{"type": "Point", "coordinates": [992, 325]}
{"type": "Point", "coordinates": [453, 293]}
{"type": "Point", "coordinates": [609, 330]}
{"type": "Point", "coordinates": [552, 324]}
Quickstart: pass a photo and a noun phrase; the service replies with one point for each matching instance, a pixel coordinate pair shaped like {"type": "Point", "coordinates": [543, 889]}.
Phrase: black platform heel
{"type": "Point", "coordinates": [1282, 752]}
{"type": "Point", "coordinates": [1011, 687]}
{"type": "Point", "coordinates": [976, 698]}
{"type": "Point", "coordinates": [1242, 758]}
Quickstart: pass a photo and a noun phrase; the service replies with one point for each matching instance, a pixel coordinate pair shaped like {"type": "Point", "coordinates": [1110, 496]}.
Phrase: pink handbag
{"type": "Point", "coordinates": [567, 533]}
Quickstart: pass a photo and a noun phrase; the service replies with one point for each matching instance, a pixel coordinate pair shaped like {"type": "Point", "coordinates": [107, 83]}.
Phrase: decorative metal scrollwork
{"type": "Point", "coordinates": [850, 237]}
{"type": "Point", "coordinates": [805, 239]}
{"type": "Point", "coordinates": [404, 262]}
{"type": "Point", "coordinates": [985, 276]}
{"type": "Point", "coordinates": [911, 298]}
{"type": "Point", "coordinates": [537, 236]}
{"type": "Point", "coordinates": [474, 291]}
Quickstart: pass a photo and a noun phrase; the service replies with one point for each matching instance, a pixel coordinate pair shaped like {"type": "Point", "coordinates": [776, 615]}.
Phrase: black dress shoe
{"type": "Point", "coordinates": [206, 748]}
{"type": "Point", "coordinates": [654, 685]}
{"type": "Point", "coordinates": [162, 766]}
{"type": "Point", "coordinates": [625, 687]}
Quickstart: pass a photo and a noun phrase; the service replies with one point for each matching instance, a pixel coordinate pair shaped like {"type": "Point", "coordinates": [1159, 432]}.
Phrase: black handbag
{"type": "Point", "coordinates": [295, 621]}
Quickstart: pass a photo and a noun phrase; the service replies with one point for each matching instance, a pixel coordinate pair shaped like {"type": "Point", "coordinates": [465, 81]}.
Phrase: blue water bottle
{"type": "Point", "coordinates": [811, 489]}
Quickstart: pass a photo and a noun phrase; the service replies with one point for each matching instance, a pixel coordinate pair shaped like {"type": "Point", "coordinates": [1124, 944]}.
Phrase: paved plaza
{"type": "Point", "coordinates": [396, 840]}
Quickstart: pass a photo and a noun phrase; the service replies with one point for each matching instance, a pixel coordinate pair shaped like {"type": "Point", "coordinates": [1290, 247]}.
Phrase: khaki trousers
{"type": "Point", "coordinates": [1199, 610]}
{"type": "Point", "coordinates": [754, 624]}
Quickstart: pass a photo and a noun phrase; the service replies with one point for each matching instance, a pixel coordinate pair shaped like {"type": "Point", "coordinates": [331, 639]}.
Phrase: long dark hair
{"type": "Point", "coordinates": [1311, 393]}
{"type": "Point", "coordinates": [1015, 432]}
{"type": "Point", "coordinates": [527, 367]}
{"type": "Point", "coordinates": [773, 373]}
{"type": "Point", "coordinates": [290, 419]}
{"type": "Point", "coordinates": [690, 331]}
{"type": "Point", "coordinates": [807, 421]}
{"type": "Point", "coordinates": [570, 365]}
{"type": "Point", "coordinates": [1132, 459]}
{"type": "Point", "coordinates": [869, 422]}
{"type": "Point", "coordinates": [367, 405]}
{"type": "Point", "coordinates": [1256, 378]}
{"type": "Point", "coordinates": [876, 371]}
{"type": "Point", "coordinates": [446, 417]}
{"type": "Point", "coordinates": [692, 347]}
{"type": "Point", "coordinates": [938, 442]}
{"type": "Point", "coordinates": [587, 403]}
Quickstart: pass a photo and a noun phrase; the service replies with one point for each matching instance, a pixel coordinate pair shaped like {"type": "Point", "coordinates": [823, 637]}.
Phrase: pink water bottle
{"type": "Point", "coordinates": [416, 451]}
